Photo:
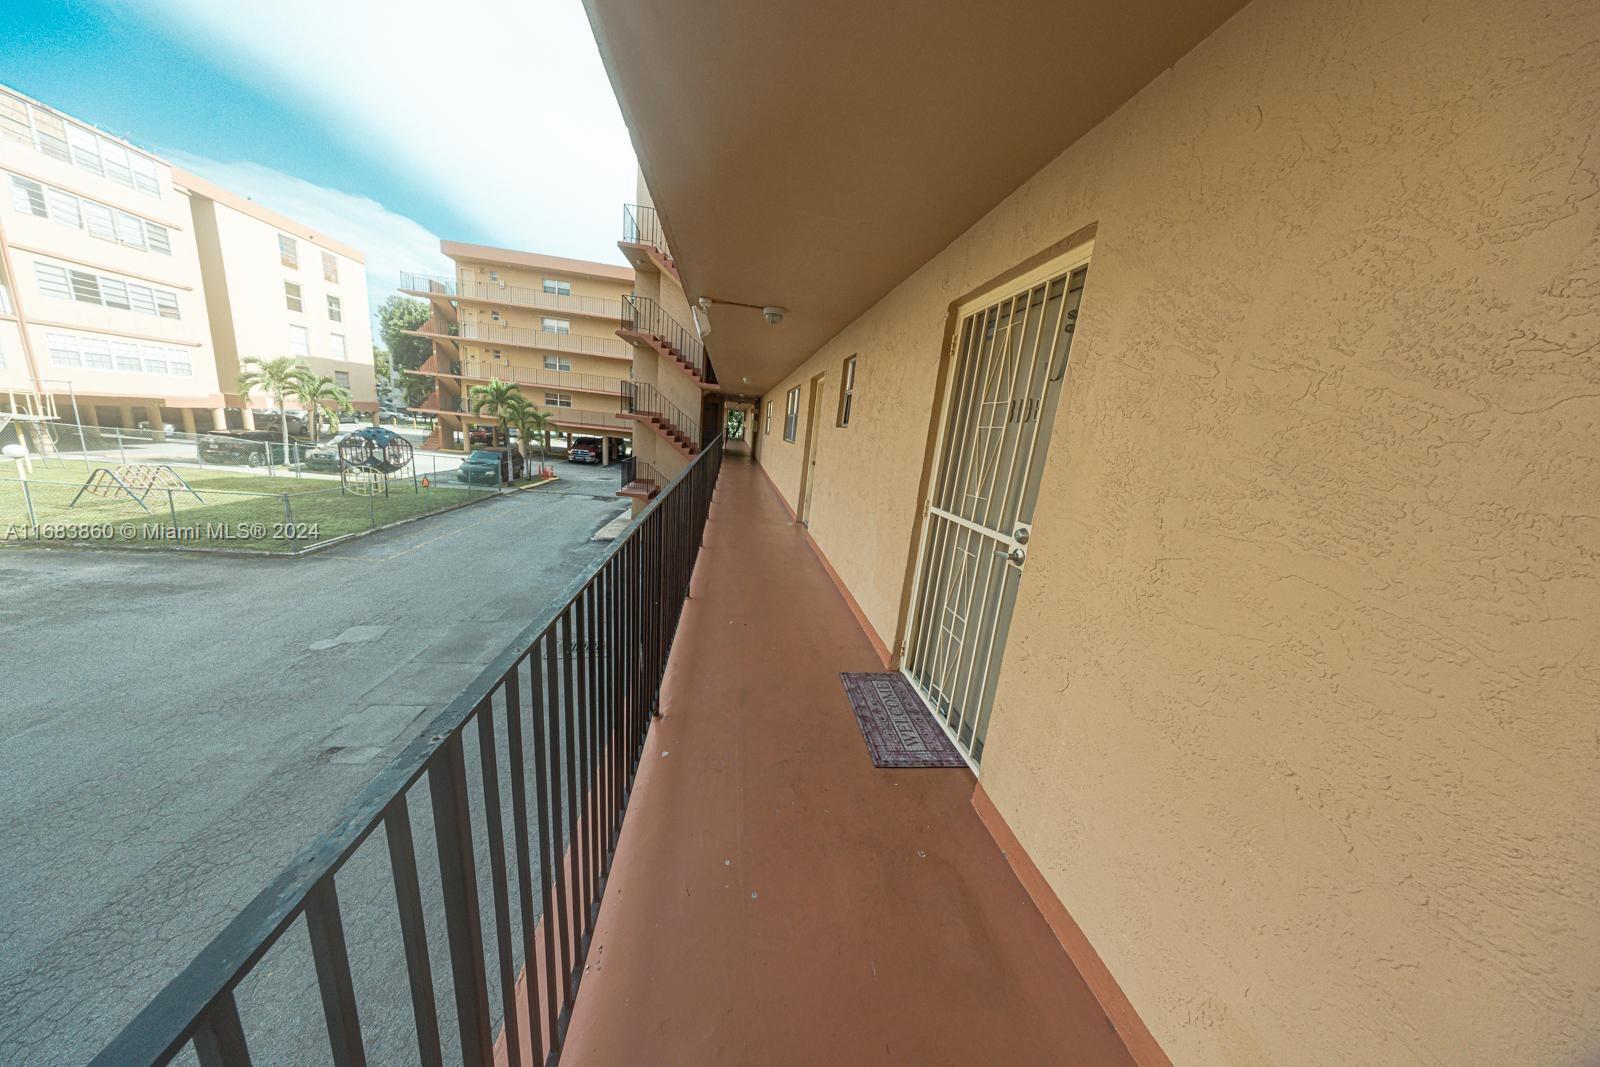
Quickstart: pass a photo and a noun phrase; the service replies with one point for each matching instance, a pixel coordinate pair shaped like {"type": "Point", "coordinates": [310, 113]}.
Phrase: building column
{"type": "Point", "coordinates": [219, 418]}
{"type": "Point", "coordinates": [158, 425]}
{"type": "Point", "coordinates": [128, 421]}
{"type": "Point", "coordinates": [186, 418]}
{"type": "Point", "coordinates": [248, 416]}
{"type": "Point", "coordinates": [605, 451]}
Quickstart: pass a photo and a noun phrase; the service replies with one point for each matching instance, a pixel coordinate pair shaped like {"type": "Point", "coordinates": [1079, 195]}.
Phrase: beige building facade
{"type": "Point", "coordinates": [102, 302]}
{"type": "Point", "coordinates": [543, 323]}
{"type": "Point", "coordinates": [130, 291]}
{"type": "Point", "coordinates": [275, 287]}
{"type": "Point", "coordinates": [1287, 707]}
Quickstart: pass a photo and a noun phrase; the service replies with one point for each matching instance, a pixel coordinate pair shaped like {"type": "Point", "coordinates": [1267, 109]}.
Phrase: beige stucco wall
{"type": "Point", "coordinates": [1299, 712]}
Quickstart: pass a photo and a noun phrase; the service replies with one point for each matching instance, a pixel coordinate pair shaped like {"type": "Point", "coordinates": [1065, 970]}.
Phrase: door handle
{"type": "Point", "coordinates": [1016, 555]}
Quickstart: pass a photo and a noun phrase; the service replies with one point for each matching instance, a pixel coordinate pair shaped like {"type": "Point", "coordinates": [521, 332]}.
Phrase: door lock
{"type": "Point", "coordinates": [1022, 535]}
{"type": "Point", "coordinates": [1016, 555]}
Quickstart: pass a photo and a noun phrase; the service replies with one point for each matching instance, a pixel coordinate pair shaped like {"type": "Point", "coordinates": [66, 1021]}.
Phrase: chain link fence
{"type": "Point", "coordinates": [94, 485]}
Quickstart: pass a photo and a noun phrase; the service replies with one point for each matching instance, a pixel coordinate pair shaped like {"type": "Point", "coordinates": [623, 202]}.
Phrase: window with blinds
{"type": "Point", "coordinates": [107, 223]}
{"type": "Point", "coordinates": [89, 287]}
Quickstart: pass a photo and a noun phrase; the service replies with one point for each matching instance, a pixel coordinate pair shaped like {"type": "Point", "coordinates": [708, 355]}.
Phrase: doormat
{"type": "Point", "coordinates": [899, 729]}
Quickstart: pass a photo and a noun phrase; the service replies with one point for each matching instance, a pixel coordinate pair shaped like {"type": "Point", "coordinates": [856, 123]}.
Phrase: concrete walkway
{"type": "Point", "coordinates": [776, 900]}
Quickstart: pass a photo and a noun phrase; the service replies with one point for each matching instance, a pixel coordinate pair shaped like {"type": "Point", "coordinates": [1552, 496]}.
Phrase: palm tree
{"type": "Point", "coordinates": [322, 395]}
{"type": "Point", "coordinates": [529, 421]}
{"type": "Point", "coordinates": [279, 376]}
{"type": "Point", "coordinates": [497, 398]}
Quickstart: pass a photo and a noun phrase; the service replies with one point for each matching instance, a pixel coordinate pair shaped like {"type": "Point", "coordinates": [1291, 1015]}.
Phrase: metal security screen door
{"type": "Point", "coordinates": [1005, 382]}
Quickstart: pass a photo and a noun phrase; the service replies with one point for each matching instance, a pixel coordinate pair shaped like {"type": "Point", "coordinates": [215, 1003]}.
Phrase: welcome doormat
{"type": "Point", "coordinates": [899, 729]}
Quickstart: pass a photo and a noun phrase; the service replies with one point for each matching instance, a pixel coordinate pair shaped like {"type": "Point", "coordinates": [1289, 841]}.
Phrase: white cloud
{"type": "Point", "coordinates": [501, 105]}
{"type": "Point", "coordinates": [391, 242]}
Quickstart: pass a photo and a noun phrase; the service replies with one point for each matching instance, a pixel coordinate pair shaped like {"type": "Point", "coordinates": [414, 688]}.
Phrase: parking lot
{"type": "Point", "coordinates": [175, 727]}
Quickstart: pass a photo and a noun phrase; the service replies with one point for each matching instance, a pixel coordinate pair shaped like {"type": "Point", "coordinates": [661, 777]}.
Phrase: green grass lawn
{"type": "Point", "coordinates": [249, 511]}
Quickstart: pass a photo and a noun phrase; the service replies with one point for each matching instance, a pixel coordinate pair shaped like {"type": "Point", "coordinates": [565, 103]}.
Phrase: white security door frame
{"type": "Point", "coordinates": [1004, 385]}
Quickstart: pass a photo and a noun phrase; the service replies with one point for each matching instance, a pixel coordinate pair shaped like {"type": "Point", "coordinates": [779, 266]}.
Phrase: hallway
{"type": "Point", "coordinates": [776, 899]}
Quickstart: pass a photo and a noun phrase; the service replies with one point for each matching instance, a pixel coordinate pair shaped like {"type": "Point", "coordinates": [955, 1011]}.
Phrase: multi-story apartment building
{"type": "Point", "coordinates": [274, 287]}
{"type": "Point", "coordinates": [543, 323]}
{"type": "Point", "coordinates": [102, 302]}
{"type": "Point", "coordinates": [130, 291]}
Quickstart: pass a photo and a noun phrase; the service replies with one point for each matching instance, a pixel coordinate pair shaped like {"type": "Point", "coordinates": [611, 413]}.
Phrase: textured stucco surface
{"type": "Point", "coordinates": [1299, 713]}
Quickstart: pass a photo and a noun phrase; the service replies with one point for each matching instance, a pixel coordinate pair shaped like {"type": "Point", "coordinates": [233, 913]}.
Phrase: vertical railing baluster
{"type": "Point", "coordinates": [497, 877]}
{"type": "Point", "coordinates": [569, 717]}
{"type": "Point", "coordinates": [413, 931]}
{"type": "Point", "coordinates": [219, 1039]}
{"type": "Point", "coordinates": [549, 851]}
{"type": "Point", "coordinates": [580, 714]}
{"type": "Point", "coordinates": [557, 715]}
{"type": "Point", "coordinates": [332, 962]}
{"type": "Point", "coordinates": [452, 825]}
{"type": "Point", "coordinates": [519, 829]}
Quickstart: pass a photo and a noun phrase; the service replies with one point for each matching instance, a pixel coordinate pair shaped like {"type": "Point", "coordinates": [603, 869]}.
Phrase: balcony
{"type": "Point", "coordinates": [640, 480]}
{"type": "Point", "coordinates": [426, 284]}
{"type": "Point", "coordinates": [646, 325]}
{"type": "Point", "coordinates": [521, 296]}
{"type": "Point", "coordinates": [734, 876]}
{"type": "Point", "coordinates": [644, 241]}
{"type": "Point", "coordinates": [484, 370]}
{"type": "Point", "coordinates": [643, 402]}
{"type": "Point", "coordinates": [498, 333]}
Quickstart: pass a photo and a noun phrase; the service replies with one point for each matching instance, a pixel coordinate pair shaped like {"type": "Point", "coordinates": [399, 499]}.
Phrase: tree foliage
{"type": "Point", "coordinates": [396, 315]}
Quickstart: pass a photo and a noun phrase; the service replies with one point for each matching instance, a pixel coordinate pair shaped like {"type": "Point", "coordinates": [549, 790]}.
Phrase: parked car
{"type": "Point", "coordinates": [483, 435]}
{"type": "Point", "coordinates": [252, 448]}
{"type": "Point", "coordinates": [268, 420]}
{"type": "Point", "coordinates": [489, 466]}
{"type": "Point", "coordinates": [585, 450]}
{"type": "Point", "coordinates": [324, 457]}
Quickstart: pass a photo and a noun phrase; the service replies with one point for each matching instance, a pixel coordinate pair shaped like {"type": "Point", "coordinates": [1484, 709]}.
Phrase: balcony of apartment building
{"type": "Point", "coordinates": [644, 241]}
{"type": "Point", "coordinates": [768, 890]}
{"type": "Point", "coordinates": [476, 369]}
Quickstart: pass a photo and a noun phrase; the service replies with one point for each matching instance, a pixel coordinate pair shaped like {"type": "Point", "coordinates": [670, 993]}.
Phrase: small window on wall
{"type": "Point", "coordinates": [299, 341]}
{"type": "Point", "coordinates": [335, 310]}
{"type": "Point", "coordinates": [291, 296]}
{"type": "Point", "coordinates": [847, 391]}
{"type": "Point", "coordinates": [550, 325]}
{"type": "Point", "coordinates": [557, 363]}
{"type": "Point", "coordinates": [341, 378]}
{"type": "Point", "coordinates": [330, 267]}
{"type": "Point", "coordinates": [767, 423]}
{"type": "Point", "coordinates": [558, 400]}
{"type": "Point", "coordinates": [338, 345]}
{"type": "Point", "coordinates": [791, 414]}
{"type": "Point", "coordinates": [557, 288]}
{"type": "Point", "coordinates": [288, 252]}
{"type": "Point", "coordinates": [495, 316]}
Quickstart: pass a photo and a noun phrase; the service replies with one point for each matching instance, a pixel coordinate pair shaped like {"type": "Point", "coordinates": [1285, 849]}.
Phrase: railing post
{"type": "Point", "coordinates": [447, 788]}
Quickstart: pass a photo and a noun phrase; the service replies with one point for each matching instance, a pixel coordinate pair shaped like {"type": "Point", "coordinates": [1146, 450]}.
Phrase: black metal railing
{"type": "Point", "coordinates": [558, 723]}
{"type": "Point", "coordinates": [634, 470]}
{"type": "Point", "coordinates": [645, 400]}
{"type": "Point", "coordinates": [643, 315]}
{"type": "Point", "coordinates": [641, 225]}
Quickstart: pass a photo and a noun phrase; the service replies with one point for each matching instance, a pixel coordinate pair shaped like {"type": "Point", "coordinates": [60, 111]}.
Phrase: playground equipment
{"type": "Point", "coordinates": [136, 481]}
{"type": "Point", "coordinates": [369, 457]}
{"type": "Point", "coordinates": [32, 413]}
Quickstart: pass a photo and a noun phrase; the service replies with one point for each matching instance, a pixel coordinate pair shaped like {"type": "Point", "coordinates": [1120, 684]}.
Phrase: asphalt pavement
{"type": "Point", "coordinates": [175, 727]}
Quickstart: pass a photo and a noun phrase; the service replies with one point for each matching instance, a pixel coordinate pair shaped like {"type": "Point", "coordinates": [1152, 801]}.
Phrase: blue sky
{"type": "Point", "coordinates": [384, 124]}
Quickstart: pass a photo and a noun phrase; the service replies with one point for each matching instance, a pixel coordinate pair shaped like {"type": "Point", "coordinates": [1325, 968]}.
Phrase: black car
{"type": "Point", "coordinates": [252, 448]}
{"type": "Point", "coordinates": [488, 466]}
{"type": "Point", "coordinates": [585, 450]}
{"type": "Point", "coordinates": [324, 457]}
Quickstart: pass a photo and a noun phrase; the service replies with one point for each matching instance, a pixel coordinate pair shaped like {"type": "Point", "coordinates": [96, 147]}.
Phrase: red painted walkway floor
{"type": "Point", "coordinates": [776, 900]}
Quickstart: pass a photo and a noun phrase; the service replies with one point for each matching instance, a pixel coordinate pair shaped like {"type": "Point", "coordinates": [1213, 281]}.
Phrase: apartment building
{"type": "Point", "coordinates": [102, 301]}
{"type": "Point", "coordinates": [543, 323]}
{"type": "Point", "coordinates": [274, 287]}
{"type": "Point", "coordinates": [130, 291]}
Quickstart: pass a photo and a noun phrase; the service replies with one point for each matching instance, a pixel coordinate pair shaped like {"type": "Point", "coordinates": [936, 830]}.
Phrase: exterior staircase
{"type": "Point", "coordinates": [643, 402]}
